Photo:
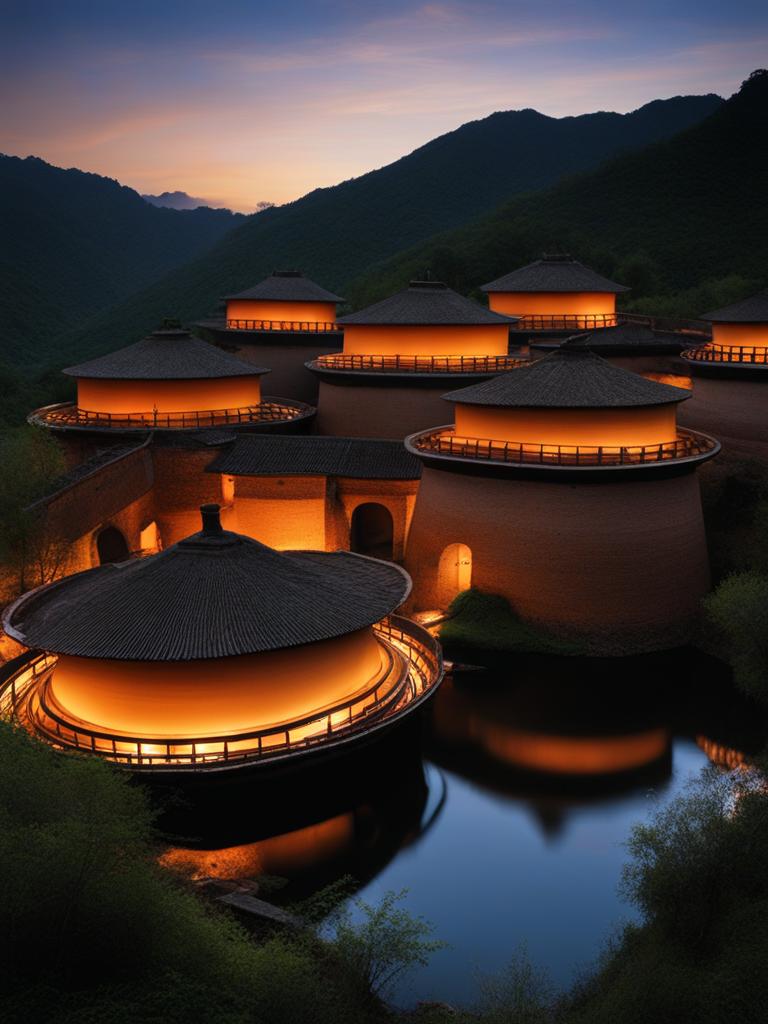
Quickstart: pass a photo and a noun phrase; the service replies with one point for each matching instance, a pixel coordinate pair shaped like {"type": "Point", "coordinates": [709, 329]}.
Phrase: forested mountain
{"type": "Point", "coordinates": [684, 222]}
{"type": "Point", "coordinates": [72, 244]}
{"type": "Point", "coordinates": [334, 233]}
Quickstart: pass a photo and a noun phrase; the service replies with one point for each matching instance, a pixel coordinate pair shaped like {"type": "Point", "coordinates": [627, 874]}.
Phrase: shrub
{"type": "Point", "coordinates": [738, 612]}
{"type": "Point", "coordinates": [487, 622]}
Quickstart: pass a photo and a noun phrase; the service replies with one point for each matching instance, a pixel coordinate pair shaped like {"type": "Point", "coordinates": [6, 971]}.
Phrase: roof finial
{"type": "Point", "coordinates": [211, 519]}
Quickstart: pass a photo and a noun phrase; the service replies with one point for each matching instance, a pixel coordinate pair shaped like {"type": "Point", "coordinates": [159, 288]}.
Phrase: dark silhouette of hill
{"type": "Point", "coordinates": [683, 222]}
{"type": "Point", "coordinates": [72, 244]}
{"type": "Point", "coordinates": [175, 200]}
{"type": "Point", "coordinates": [334, 233]}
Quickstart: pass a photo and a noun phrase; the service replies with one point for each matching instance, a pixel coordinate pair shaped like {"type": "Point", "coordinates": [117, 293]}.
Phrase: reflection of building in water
{"type": "Point", "coordinates": [721, 755]}
{"type": "Point", "coordinates": [347, 818]}
{"type": "Point", "coordinates": [555, 295]}
{"type": "Point", "coordinates": [507, 726]}
{"type": "Point", "coordinates": [585, 506]}
{"type": "Point", "coordinates": [731, 375]}
{"type": "Point", "coordinates": [281, 322]}
{"type": "Point", "coordinates": [217, 653]}
{"type": "Point", "coordinates": [401, 353]}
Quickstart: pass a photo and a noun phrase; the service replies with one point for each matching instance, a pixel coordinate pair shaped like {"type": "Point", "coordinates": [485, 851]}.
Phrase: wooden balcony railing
{"type": "Point", "coordinates": [746, 354]}
{"type": "Point", "coordinates": [415, 670]}
{"type": "Point", "coordinates": [444, 441]}
{"type": "Point", "coordinates": [69, 415]}
{"type": "Point", "coordinates": [417, 364]}
{"type": "Point", "coordinates": [564, 321]}
{"type": "Point", "coordinates": [300, 326]}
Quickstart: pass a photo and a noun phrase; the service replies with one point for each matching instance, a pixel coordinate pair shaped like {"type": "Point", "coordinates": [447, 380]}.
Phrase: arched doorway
{"type": "Point", "coordinates": [111, 546]}
{"type": "Point", "coordinates": [454, 573]}
{"type": "Point", "coordinates": [372, 530]}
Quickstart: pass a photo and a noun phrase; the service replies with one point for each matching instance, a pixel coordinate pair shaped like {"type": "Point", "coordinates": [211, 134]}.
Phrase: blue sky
{"type": "Point", "coordinates": [241, 102]}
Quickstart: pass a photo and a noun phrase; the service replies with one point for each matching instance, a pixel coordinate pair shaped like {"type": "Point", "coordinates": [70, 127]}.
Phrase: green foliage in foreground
{"type": "Point", "coordinates": [92, 929]}
{"type": "Point", "coordinates": [738, 612]}
{"type": "Point", "coordinates": [487, 622]}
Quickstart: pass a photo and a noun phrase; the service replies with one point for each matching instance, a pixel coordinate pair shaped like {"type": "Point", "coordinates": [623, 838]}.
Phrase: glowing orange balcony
{"type": "Point", "coordinates": [67, 415]}
{"type": "Point", "coordinates": [297, 326]}
{"type": "Point", "coordinates": [688, 445]}
{"type": "Point", "coordinates": [341, 361]}
{"type": "Point", "coordinates": [736, 355]}
{"type": "Point", "coordinates": [414, 669]}
{"type": "Point", "coordinates": [564, 321]}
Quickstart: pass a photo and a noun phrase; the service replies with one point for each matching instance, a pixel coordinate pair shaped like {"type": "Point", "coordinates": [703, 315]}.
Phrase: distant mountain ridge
{"type": "Point", "coordinates": [335, 233]}
{"type": "Point", "coordinates": [177, 201]}
{"type": "Point", "coordinates": [685, 214]}
{"type": "Point", "coordinates": [73, 243]}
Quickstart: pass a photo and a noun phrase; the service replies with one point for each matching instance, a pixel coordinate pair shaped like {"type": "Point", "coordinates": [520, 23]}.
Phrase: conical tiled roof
{"type": "Point", "coordinates": [287, 286]}
{"type": "Point", "coordinates": [570, 378]}
{"type": "Point", "coordinates": [426, 303]}
{"type": "Point", "coordinates": [553, 274]}
{"type": "Point", "coordinates": [166, 355]}
{"type": "Point", "coordinates": [634, 336]}
{"type": "Point", "coordinates": [753, 310]}
{"type": "Point", "coordinates": [215, 594]}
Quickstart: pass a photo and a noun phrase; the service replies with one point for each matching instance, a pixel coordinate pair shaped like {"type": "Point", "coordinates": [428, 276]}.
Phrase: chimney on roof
{"type": "Point", "coordinates": [211, 519]}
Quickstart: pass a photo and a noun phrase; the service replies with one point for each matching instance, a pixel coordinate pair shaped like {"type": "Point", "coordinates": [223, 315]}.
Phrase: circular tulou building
{"type": "Point", "coordinates": [217, 653]}
{"type": "Point", "coordinates": [399, 355]}
{"type": "Point", "coordinates": [281, 322]}
{"type": "Point", "coordinates": [567, 487]}
{"type": "Point", "coordinates": [553, 295]}
{"type": "Point", "coordinates": [167, 381]}
{"type": "Point", "coordinates": [731, 373]}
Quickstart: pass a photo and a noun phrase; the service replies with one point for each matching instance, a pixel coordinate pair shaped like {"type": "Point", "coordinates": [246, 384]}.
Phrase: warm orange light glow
{"type": "Point", "coordinates": [553, 303]}
{"type": "Point", "coordinates": [472, 340]}
{"type": "Point", "coordinates": [283, 523]}
{"type": "Point", "coordinates": [134, 396]}
{"type": "Point", "coordinates": [720, 755]}
{"type": "Point", "coordinates": [302, 312]}
{"type": "Point", "coordinates": [280, 856]}
{"type": "Point", "coordinates": [454, 574]}
{"type": "Point", "coordinates": [216, 696]}
{"type": "Point", "coordinates": [571, 755]}
{"type": "Point", "coordinates": [148, 537]}
{"type": "Point", "coordinates": [677, 380]}
{"type": "Point", "coordinates": [590, 427]}
{"type": "Point", "coordinates": [740, 335]}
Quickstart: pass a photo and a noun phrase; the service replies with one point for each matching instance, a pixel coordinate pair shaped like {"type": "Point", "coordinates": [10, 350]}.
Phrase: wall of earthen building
{"type": "Point", "coordinates": [622, 565]}
{"type": "Point", "coordinates": [391, 412]}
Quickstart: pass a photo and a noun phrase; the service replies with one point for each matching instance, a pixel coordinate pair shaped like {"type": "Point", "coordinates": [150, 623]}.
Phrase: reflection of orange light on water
{"type": "Point", "coordinates": [281, 856]}
{"type": "Point", "coordinates": [571, 755]}
{"type": "Point", "coordinates": [644, 425]}
{"type": "Point", "coordinates": [720, 755]}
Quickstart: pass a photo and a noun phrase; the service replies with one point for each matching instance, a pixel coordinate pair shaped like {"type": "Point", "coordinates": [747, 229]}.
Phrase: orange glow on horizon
{"type": "Point", "coordinates": [280, 856]}
{"type": "Point", "coordinates": [216, 696]}
{"type": "Point", "coordinates": [647, 425]}
{"type": "Point", "coordinates": [144, 396]}
{"type": "Point", "coordinates": [405, 340]}
{"type": "Point", "coordinates": [303, 312]}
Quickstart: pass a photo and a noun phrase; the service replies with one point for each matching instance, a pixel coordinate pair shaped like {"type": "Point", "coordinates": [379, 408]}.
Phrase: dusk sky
{"type": "Point", "coordinates": [241, 102]}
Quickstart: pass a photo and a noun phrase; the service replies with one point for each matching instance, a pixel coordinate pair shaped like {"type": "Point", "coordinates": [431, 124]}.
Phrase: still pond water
{"type": "Point", "coordinates": [505, 812]}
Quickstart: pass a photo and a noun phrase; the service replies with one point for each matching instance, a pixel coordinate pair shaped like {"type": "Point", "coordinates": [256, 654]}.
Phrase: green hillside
{"type": "Point", "coordinates": [684, 222]}
{"type": "Point", "coordinates": [72, 244]}
{"type": "Point", "coordinates": [333, 233]}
